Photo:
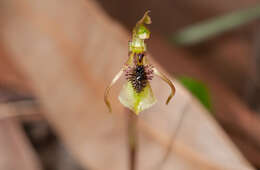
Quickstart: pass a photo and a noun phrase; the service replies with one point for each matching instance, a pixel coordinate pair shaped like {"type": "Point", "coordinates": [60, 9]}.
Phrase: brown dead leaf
{"type": "Point", "coordinates": [69, 51]}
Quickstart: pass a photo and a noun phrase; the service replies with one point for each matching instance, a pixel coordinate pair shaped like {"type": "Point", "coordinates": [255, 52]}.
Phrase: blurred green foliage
{"type": "Point", "coordinates": [213, 27]}
{"type": "Point", "coordinates": [198, 89]}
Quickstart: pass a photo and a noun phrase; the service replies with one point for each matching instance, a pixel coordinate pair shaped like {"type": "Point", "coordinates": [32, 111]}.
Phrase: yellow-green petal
{"type": "Point", "coordinates": [136, 102]}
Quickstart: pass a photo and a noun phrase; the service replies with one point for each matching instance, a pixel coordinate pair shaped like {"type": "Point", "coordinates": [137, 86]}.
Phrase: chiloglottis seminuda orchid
{"type": "Point", "coordinates": [136, 94]}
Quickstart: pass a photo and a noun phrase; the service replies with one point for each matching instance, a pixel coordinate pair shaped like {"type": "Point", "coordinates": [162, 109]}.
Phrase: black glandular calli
{"type": "Point", "coordinates": [138, 78]}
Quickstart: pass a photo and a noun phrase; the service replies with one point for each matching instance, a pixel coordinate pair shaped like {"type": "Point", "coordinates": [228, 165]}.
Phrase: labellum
{"type": "Point", "coordinates": [136, 93]}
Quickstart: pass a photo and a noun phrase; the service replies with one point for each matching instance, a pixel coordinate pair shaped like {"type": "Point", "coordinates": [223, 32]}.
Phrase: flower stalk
{"type": "Point", "coordinates": [132, 140]}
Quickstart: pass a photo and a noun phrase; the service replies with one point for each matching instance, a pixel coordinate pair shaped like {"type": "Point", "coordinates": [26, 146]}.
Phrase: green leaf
{"type": "Point", "coordinates": [197, 89]}
{"type": "Point", "coordinates": [207, 29]}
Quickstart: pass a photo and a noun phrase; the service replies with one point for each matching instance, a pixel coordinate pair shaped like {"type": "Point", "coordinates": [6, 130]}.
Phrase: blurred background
{"type": "Point", "coordinates": [211, 47]}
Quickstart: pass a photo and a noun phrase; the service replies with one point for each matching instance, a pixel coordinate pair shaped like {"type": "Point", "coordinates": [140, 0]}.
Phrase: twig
{"type": "Point", "coordinates": [194, 158]}
{"type": "Point", "coordinates": [173, 137]}
{"type": "Point", "coordinates": [18, 108]}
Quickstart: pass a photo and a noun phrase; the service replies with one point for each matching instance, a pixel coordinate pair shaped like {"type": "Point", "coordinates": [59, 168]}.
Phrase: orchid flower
{"type": "Point", "coordinates": [136, 93]}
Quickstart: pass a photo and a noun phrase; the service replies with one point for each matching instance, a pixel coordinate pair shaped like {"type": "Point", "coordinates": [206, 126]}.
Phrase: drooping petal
{"type": "Point", "coordinates": [136, 102]}
{"type": "Point", "coordinates": [168, 81]}
{"type": "Point", "coordinates": [117, 76]}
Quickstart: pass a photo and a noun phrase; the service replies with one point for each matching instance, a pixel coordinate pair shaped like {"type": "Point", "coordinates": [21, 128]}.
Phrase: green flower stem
{"type": "Point", "coordinates": [132, 139]}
